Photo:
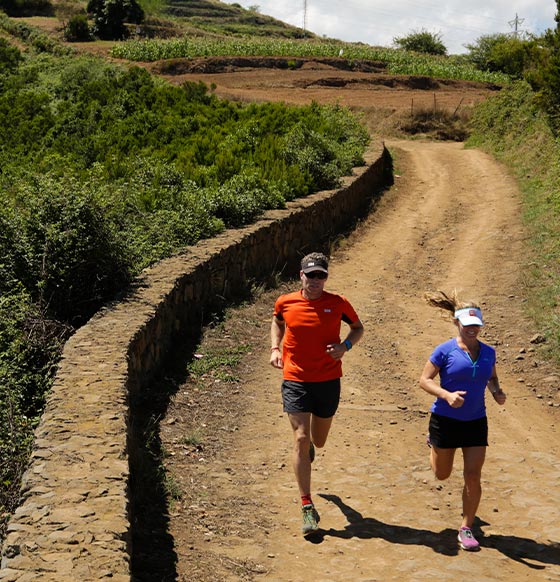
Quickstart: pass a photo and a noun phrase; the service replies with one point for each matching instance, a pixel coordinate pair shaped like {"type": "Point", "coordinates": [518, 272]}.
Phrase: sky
{"type": "Point", "coordinates": [377, 23]}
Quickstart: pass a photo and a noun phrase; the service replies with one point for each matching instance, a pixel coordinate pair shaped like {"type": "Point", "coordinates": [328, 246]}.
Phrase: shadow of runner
{"type": "Point", "coordinates": [523, 549]}
{"type": "Point", "coordinates": [444, 542]}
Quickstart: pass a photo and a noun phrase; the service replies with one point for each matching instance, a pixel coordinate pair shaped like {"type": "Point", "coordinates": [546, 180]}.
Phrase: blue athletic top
{"type": "Point", "coordinates": [458, 372]}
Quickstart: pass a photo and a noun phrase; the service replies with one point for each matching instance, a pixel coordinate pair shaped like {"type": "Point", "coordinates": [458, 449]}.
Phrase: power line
{"type": "Point", "coordinates": [515, 24]}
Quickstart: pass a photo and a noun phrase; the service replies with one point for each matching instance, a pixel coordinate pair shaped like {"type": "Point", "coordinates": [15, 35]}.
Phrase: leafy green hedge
{"type": "Point", "coordinates": [106, 170]}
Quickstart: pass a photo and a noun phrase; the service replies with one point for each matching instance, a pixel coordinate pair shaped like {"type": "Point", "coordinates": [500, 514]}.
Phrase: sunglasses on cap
{"type": "Point", "coordinates": [316, 275]}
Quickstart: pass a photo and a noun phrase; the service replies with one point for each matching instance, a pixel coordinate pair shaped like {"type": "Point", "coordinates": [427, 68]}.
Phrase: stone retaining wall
{"type": "Point", "coordinates": [73, 523]}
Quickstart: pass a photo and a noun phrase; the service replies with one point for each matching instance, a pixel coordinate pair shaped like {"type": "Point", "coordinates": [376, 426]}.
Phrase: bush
{"type": "Point", "coordinates": [437, 123]}
{"type": "Point", "coordinates": [325, 145]}
{"type": "Point", "coordinates": [242, 199]}
{"type": "Point", "coordinates": [64, 250]}
{"type": "Point", "coordinates": [155, 211]}
{"type": "Point", "coordinates": [504, 53]}
{"type": "Point", "coordinates": [77, 29]}
{"type": "Point", "coordinates": [546, 79]}
{"type": "Point", "coordinates": [422, 42]}
{"type": "Point", "coordinates": [10, 57]}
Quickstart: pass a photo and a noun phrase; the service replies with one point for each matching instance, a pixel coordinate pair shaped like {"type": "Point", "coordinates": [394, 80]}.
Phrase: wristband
{"type": "Point", "coordinates": [348, 344]}
{"type": "Point", "coordinates": [274, 348]}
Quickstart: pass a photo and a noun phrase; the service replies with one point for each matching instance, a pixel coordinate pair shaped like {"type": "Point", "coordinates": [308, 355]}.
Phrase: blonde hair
{"type": "Point", "coordinates": [448, 302]}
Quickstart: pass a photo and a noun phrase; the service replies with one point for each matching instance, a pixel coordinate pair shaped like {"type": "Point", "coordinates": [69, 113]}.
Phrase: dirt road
{"type": "Point", "coordinates": [451, 220]}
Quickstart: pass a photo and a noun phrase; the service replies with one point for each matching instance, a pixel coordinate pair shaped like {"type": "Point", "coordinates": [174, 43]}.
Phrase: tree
{"type": "Point", "coordinates": [422, 42]}
{"type": "Point", "coordinates": [504, 53]}
{"type": "Point", "coordinates": [480, 53]}
{"type": "Point", "coordinates": [547, 78]}
{"type": "Point", "coordinates": [110, 16]}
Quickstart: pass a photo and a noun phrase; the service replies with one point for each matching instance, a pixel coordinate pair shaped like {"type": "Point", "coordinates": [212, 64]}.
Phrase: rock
{"type": "Point", "coordinates": [551, 381]}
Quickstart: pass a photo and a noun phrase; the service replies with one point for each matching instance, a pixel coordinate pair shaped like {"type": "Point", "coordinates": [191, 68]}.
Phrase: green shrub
{"type": "Point", "coordinates": [243, 198]}
{"type": "Point", "coordinates": [504, 53]}
{"type": "Point", "coordinates": [65, 252]}
{"type": "Point", "coordinates": [25, 118]}
{"type": "Point", "coordinates": [77, 29]}
{"type": "Point", "coordinates": [325, 145]}
{"type": "Point", "coordinates": [422, 42]}
{"type": "Point", "coordinates": [10, 57]}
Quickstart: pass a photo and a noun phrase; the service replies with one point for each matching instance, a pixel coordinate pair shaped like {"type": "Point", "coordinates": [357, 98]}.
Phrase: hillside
{"type": "Point", "coordinates": [191, 17]}
{"type": "Point", "coordinates": [389, 101]}
{"type": "Point", "coordinates": [219, 18]}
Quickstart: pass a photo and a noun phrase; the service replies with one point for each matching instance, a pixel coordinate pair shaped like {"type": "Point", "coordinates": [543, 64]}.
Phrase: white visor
{"type": "Point", "coordinates": [469, 316]}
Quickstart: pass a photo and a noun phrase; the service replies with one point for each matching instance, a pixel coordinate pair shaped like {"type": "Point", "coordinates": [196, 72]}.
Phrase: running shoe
{"type": "Point", "coordinates": [311, 452]}
{"type": "Point", "coordinates": [310, 519]}
{"type": "Point", "coordinates": [467, 541]}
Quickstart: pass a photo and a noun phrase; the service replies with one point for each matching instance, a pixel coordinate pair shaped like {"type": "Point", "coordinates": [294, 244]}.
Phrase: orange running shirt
{"type": "Point", "coordinates": [310, 327]}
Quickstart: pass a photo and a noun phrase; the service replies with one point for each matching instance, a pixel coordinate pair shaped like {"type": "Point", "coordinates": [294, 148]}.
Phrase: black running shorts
{"type": "Point", "coordinates": [319, 398]}
{"type": "Point", "coordinates": [448, 433]}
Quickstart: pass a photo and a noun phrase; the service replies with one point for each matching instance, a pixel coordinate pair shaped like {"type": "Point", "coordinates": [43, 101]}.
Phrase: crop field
{"type": "Point", "coordinates": [398, 62]}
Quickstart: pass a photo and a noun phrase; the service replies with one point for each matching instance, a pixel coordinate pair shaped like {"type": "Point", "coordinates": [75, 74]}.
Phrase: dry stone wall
{"type": "Point", "coordinates": [73, 523]}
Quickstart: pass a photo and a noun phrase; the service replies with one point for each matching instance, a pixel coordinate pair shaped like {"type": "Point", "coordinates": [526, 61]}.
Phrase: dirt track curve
{"type": "Point", "coordinates": [451, 220]}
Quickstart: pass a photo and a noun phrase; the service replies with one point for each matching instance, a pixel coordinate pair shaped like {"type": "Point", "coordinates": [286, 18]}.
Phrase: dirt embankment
{"type": "Point", "coordinates": [365, 86]}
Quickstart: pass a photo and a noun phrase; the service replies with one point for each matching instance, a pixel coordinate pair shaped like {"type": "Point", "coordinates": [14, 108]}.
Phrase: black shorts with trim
{"type": "Point", "coordinates": [449, 433]}
{"type": "Point", "coordinates": [319, 398]}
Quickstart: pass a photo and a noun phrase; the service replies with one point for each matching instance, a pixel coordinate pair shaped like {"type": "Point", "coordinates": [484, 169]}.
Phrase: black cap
{"type": "Point", "coordinates": [315, 264]}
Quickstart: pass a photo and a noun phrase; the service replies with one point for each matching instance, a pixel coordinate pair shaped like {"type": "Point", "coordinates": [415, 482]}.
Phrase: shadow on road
{"type": "Point", "coordinates": [523, 549]}
{"type": "Point", "coordinates": [443, 542]}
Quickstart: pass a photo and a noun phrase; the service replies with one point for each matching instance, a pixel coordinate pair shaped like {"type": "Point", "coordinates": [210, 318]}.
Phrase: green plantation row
{"type": "Point", "coordinates": [398, 61]}
{"type": "Point", "coordinates": [106, 170]}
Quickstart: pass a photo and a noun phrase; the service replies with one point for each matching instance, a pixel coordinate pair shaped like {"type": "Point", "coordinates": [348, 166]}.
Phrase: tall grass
{"type": "Point", "coordinates": [512, 128]}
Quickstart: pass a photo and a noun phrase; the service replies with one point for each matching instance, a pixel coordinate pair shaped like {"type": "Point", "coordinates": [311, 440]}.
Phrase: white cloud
{"type": "Point", "coordinates": [378, 23]}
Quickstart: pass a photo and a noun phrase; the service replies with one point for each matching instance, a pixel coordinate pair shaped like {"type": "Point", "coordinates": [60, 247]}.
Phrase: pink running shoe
{"type": "Point", "coordinates": [467, 541]}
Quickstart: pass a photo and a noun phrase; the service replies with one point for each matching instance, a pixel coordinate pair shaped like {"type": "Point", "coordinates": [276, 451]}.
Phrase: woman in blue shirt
{"type": "Point", "coordinates": [466, 367]}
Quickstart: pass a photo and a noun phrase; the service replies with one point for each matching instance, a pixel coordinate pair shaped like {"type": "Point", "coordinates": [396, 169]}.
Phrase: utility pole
{"type": "Point", "coordinates": [304, 16]}
{"type": "Point", "coordinates": [515, 24]}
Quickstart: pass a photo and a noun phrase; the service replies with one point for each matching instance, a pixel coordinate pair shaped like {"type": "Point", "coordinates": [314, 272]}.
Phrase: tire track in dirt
{"type": "Point", "coordinates": [451, 220]}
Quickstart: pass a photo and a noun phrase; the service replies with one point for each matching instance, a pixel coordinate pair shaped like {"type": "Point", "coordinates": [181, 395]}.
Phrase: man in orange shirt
{"type": "Point", "coordinates": [307, 324]}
